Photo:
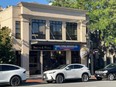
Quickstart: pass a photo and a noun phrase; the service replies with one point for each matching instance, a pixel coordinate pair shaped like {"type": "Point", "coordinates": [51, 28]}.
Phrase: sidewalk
{"type": "Point", "coordinates": [35, 79]}
{"type": "Point", "coordinates": [39, 79]}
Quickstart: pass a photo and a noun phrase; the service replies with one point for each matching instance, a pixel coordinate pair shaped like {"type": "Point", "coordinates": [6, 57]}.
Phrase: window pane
{"type": "Point", "coordinates": [56, 30]}
{"type": "Point", "coordinates": [18, 35]}
{"type": "Point", "coordinates": [35, 27]}
{"type": "Point", "coordinates": [71, 31]}
{"type": "Point", "coordinates": [38, 29]}
{"type": "Point", "coordinates": [17, 30]}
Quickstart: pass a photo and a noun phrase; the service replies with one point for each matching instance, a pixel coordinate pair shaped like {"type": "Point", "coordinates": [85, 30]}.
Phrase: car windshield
{"type": "Point", "coordinates": [110, 66]}
{"type": "Point", "coordinates": [61, 66]}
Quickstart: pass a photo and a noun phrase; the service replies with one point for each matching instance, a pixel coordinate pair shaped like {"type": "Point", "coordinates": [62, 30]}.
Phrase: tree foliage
{"type": "Point", "coordinates": [101, 13]}
{"type": "Point", "coordinates": [6, 52]}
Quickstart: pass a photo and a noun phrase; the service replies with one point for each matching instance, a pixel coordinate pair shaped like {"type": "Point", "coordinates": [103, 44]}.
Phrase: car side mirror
{"type": "Point", "coordinates": [67, 68]}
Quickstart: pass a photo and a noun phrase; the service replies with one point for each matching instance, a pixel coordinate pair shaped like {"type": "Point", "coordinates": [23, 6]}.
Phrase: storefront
{"type": "Point", "coordinates": [44, 35]}
{"type": "Point", "coordinates": [49, 56]}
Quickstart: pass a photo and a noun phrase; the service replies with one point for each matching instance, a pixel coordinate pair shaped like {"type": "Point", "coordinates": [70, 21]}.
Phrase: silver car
{"type": "Point", "coordinates": [69, 71]}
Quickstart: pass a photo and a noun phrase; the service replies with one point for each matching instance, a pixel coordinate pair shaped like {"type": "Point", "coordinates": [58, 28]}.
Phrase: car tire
{"type": "Point", "coordinates": [59, 79]}
{"type": "Point", "coordinates": [85, 78]}
{"type": "Point", "coordinates": [15, 81]}
{"type": "Point", "coordinates": [111, 77]}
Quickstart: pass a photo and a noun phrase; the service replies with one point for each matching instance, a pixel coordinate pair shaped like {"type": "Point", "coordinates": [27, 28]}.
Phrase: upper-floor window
{"type": "Point", "coordinates": [56, 30]}
{"type": "Point", "coordinates": [18, 30]}
{"type": "Point", "coordinates": [71, 31]}
{"type": "Point", "coordinates": [38, 29]}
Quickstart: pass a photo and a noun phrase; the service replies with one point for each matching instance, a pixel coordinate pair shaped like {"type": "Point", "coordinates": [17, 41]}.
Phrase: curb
{"type": "Point", "coordinates": [93, 77]}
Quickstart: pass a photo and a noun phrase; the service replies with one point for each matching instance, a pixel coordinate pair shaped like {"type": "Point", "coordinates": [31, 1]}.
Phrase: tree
{"type": "Point", "coordinates": [101, 13]}
{"type": "Point", "coordinates": [6, 52]}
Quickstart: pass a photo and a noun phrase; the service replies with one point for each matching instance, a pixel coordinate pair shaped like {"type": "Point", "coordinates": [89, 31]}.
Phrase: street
{"type": "Point", "coordinates": [74, 84]}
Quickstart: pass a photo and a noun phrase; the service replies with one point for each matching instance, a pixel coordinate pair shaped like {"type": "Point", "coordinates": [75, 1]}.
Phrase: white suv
{"type": "Point", "coordinates": [12, 74]}
{"type": "Point", "coordinates": [69, 71]}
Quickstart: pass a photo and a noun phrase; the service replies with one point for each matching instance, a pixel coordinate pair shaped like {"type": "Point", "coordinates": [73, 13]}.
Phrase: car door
{"type": "Point", "coordinates": [69, 72]}
{"type": "Point", "coordinates": [0, 73]}
{"type": "Point", "coordinates": [7, 72]}
{"type": "Point", "coordinates": [4, 73]}
{"type": "Point", "coordinates": [77, 71]}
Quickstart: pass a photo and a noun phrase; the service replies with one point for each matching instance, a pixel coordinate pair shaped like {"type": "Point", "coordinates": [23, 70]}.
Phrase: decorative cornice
{"type": "Point", "coordinates": [36, 5]}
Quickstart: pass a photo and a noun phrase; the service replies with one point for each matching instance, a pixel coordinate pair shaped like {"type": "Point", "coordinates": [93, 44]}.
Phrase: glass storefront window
{"type": "Point", "coordinates": [75, 57]}
{"type": "Point", "coordinates": [71, 31]}
{"type": "Point", "coordinates": [52, 62]}
{"type": "Point", "coordinates": [38, 29]}
{"type": "Point", "coordinates": [56, 30]}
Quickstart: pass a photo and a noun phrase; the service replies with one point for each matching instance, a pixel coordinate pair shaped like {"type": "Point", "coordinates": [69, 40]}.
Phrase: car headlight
{"type": "Point", "coordinates": [52, 72]}
{"type": "Point", "coordinates": [105, 71]}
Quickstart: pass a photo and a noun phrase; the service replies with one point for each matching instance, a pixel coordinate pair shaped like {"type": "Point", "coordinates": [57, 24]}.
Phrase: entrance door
{"type": "Point", "coordinates": [46, 60]}
{"type": "Point", "coordinates": [34, 62]}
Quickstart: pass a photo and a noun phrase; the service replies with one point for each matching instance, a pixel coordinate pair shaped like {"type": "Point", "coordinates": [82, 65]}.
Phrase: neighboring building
{"type": "Point", "coordinates": [45, 36]}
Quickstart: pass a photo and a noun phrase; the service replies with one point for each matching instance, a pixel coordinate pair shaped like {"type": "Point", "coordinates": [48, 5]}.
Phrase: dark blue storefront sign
{"type": "Point", "coordinates": [67, 47]}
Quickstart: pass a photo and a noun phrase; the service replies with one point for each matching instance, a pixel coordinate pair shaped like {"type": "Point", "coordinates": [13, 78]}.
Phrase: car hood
{"type": "Point", "coordinates": [54, 70]}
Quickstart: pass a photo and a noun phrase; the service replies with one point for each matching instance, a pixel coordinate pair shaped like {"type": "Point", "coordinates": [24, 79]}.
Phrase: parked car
{"type": "Point", "coordinates": [108, 72]}
{"type": "Point", "coordinates": [69, 71]}
{"type": "Point", "coordinates": [12, 74]}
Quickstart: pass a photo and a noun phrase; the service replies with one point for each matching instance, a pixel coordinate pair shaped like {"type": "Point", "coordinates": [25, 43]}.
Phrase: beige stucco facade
{"type": "Point", "coordinates": [25, 12]}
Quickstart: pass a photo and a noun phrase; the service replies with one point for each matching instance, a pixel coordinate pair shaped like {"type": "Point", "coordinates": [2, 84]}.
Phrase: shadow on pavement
{"type": "Point", "coordinates": [23, 84]}
{"type": "Point", "coordinates": [31, 83]}
{"type": "Point", "coordinates": [78, 80]}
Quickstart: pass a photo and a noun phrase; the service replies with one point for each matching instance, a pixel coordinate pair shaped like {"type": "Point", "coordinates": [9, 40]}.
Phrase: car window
{"type": "Point", "coordinates": [8, 67]}
{"type": "Point", "coordinates": [77, 66]}
{"type": "Point", "coordinates": [71, 67]}
{"type": "Point", "coordinates": [110, 66]}
{"type": "Point", "coordinates": [61, 66]}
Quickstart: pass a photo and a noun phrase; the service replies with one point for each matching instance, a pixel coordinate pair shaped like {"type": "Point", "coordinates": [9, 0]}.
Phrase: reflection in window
{"type": "Point", "coordinates": [38, 29]}
{"type": "Point", "coordinates": [56, 30]}
{"type": "Point", "coordinates": [71, 31]}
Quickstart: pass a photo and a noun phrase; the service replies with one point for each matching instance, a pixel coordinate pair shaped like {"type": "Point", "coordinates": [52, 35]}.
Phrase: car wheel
{"type": "Point", "coordinates": [15, 81]}
{"type": "Point", "coordinates": [59, 79]}
{"type": "Point", "coordinates": [110, 77]}
{"type": "Point", "coordinates": [85, 77]}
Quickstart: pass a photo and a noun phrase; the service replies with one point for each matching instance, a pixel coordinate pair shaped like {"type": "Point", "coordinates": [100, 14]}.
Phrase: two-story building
{"type": "Point", "coordinates": [45, 36]}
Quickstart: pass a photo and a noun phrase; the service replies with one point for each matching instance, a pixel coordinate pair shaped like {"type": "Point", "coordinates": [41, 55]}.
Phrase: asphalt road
{"type": "Point", "coordinates": [74, 84]}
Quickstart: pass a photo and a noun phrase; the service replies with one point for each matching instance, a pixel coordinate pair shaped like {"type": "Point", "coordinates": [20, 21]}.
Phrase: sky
{"type": "Point", "coordinates": [4, 3]}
